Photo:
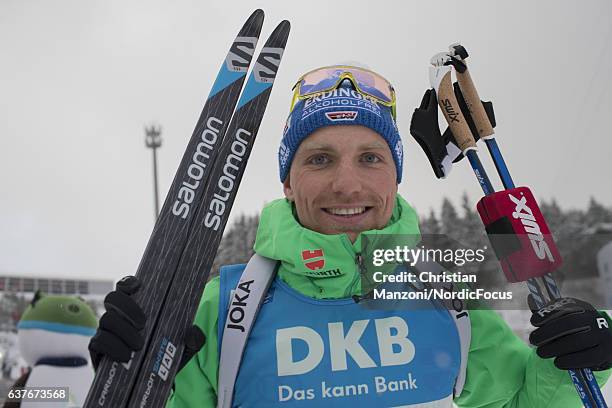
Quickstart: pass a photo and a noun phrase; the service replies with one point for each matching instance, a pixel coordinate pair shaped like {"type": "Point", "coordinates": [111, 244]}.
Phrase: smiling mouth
{"type": "Point", "coordinates": [347, 212]}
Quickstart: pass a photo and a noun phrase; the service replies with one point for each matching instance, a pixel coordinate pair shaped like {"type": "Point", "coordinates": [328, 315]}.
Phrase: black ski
{"type": "Point", "coordinates": [166, 346]}
{"type": "Point", "coordinates": [114, 381]}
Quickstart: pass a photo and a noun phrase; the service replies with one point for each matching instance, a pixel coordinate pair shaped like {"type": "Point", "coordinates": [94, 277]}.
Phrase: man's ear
{"type": "Point", "coordinates": [288, 190]}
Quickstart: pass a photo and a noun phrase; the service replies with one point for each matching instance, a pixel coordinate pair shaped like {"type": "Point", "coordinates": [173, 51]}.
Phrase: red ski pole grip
{"type": "Point", "coordinates": [519, 234]}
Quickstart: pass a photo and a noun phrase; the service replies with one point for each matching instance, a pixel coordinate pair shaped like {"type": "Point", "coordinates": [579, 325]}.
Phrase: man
{"type": "Point", "coordinates": [312, 344]}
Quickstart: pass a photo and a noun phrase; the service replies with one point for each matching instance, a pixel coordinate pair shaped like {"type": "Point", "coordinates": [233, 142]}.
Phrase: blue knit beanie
{"type": "Point", "coordinates": [341, 106]}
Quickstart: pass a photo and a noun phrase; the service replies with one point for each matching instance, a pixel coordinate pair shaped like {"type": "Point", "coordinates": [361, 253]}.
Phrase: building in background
{"type": "Point", "coordinates": [16, 292]}
{"type": "Point", "coordinates": [59, 286]}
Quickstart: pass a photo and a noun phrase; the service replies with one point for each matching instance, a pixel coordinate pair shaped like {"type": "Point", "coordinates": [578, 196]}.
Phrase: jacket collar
{"type": "Point", "coordinates": [320, 265]}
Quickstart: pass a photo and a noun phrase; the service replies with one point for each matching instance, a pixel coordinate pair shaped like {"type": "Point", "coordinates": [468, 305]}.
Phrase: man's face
{"type": "Point", "coordinates": [343, 180]}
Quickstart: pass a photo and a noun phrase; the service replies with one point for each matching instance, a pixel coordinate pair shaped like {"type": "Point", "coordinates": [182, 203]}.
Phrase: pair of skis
{"type": "Point", "coordinates": [541, 266]}
{"type": "Point", "coordinates": [180, 252]}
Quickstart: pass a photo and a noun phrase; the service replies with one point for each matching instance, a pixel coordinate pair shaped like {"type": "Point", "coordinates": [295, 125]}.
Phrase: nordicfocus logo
{"type": "Point", "coordinates": [226, 183]}
{"type": "Point", "coordinates": [525, 214]}
{"type": "Point", "coordinates": [195, 172]}
{"type": "Point", "coordinates": [394, 347]}
{"type": "Point", "coordinates": [313, 259]}
{"type": "Point", "coordinates": [450, 111]}
{"type": "Point", "coordinates": [237, 308]}
{"type": "Point", "coordinates": [341, 115]}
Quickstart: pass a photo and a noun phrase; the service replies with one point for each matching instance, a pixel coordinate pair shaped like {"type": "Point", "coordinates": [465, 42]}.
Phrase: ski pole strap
{"type": "Point", "coordinates": [441, 149]}
{"type": "Point", "coordinates": [256, 279]}
{"type": "Point", "coordinates": [425, 129]}
{"type": "Point", "coordinates": [519, 234]}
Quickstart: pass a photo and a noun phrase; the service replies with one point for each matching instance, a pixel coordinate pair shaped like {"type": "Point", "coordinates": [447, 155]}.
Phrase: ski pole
{"type": "Point", "coordinates": [458, 53]}
{"type": "Point", "coordinates": [440, 80]}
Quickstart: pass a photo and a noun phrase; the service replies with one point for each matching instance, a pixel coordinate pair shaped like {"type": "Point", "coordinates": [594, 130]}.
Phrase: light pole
{"type": "Point", "coordinates": [153, 140]}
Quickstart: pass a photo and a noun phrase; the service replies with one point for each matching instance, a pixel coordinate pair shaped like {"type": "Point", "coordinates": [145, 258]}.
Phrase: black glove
{"type": "Point", "coordinates": [573, 332]}
{"type": "Point", "coordinates": [120, 331]}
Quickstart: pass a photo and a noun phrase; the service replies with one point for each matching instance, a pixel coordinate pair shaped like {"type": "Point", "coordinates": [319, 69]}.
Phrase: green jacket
{"type": "Point", "coordinates": [502, 371]}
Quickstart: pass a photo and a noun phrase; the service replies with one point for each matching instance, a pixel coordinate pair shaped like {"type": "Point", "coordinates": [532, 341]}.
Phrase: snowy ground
{"type": "Point", "coordinates": [607, 391]}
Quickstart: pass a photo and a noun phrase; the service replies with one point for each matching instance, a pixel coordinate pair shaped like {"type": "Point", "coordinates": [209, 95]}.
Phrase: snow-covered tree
{"type": "Point", "coordinates": [430, 224]}
{"type": "Point", "coordinates": [449, 218]}
{"type": "Point", "coordinates": [237, 243]}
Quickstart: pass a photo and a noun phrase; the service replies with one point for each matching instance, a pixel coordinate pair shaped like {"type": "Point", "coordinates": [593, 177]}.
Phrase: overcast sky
{"type": "Point", "coordinates": [80, 79]}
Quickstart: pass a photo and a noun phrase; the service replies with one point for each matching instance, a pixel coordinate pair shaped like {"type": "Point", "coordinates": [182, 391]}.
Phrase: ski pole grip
{"type": "Point", "coordinates": [472, 100]}
{"type": "Point", "coordinates": [455, 119]}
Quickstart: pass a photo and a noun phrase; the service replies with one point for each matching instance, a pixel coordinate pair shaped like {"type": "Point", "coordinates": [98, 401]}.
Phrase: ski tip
{"type": "Point", "coordinates": [283, 27]}
{"type": "Point", "coordinates": [252, 27]}
{"type": "Point", "coordinates": [278, 38]}
{"type": "Point", "coordinates": [257, 16]}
